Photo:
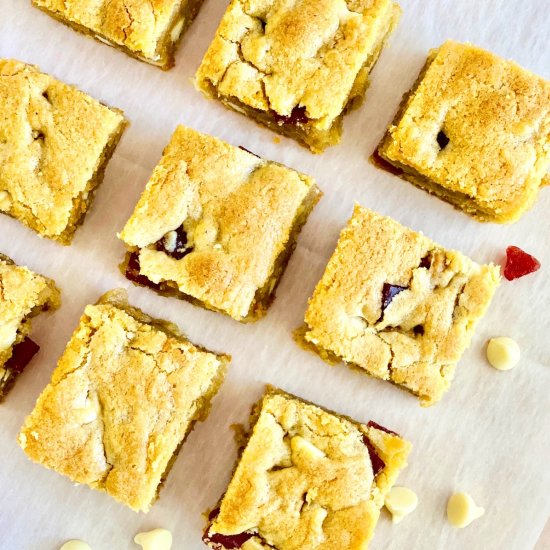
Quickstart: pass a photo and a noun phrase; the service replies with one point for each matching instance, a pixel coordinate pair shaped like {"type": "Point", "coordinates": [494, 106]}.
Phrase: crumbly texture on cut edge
{"type": "Point", "coordinates": [474, 131]}
{"type": "Point", "coordinates": [217, 224]}
{"type": "Point", "coordinates": [55, 142]}
{"type": "Point", "coordinates": [148, 30]}
{"type": "Point", "coordinates": [307, 478]}
{"type": "Point", "coordinates": [397, 305]}
{"type": "Point", "coordinates": [296, 68]}
{"type": "Point", "coordinates": [125, 394]}
{"type": "Point", "coordinates": [23, 295]}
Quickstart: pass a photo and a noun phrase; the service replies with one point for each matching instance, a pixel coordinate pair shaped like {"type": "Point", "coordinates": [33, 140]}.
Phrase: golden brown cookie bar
{"type": "Point", "coordinates": [23, 295]}
{"type": "Point", "coordinates": [307, 478]}
{"type": "Point", "coordinates": [397, 305]}
{"type": "Point", "coordinates": [216, 225]}
{"type": "Point", "coordinates": [296, 67]}
{"type": "Point", "coordinates": [55, 143]}
{"type": "Point", "coordinates": [475, 132]}
{"type": "Point", "coordinates": [148, 30]}
{"type": "Point", "coordinates": [123, 398]}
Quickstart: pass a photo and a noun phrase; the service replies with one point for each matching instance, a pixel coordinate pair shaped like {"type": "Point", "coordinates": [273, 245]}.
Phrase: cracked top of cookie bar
{"type": "Point", "coordinates": [52, 140]}
{"type": "Point", "coordinates": [136, 24]}
{"type": "Point", "coordinates": [275, 55]}
{"type": "Point", "coordinates": [398, 305]}
{"type": "Point", "coordinates": [120, 402]}
{"type": "Point", "coordinates": [306, 478]}
{"type": "Point", "coordinates": [22, 295]}
{"type": "Point", "coordinates": [477, 125]}
{"type": "Point", "coordinates": [231, 212]}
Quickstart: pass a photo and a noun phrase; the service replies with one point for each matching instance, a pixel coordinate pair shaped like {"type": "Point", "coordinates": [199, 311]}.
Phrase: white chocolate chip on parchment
{"type": "Point", "coordinates": [157, 539]}
{"type": "Point", "coordinates": [400, 502]}
{"type": "Point", "coordinates": [462, 510]}
{"type": "Point", "coordinates": [503, 353]}
{"type": "Point", "coordinates": [76, 545]}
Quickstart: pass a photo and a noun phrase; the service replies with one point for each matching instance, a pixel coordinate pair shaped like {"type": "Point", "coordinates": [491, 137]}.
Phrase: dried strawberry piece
{"type": "Point", "coordinates": [389, 292]}
{"type": "Point", "coordinates": [133, 272]}
{"type": "Point", "coordinates": [21, 355]}
{"type": "Point", "coordinates": [519, 263]}
{"type": "Point", "coordinates": [377, 463]}
{"type": "Point", "coordinates": [223, 542]}
{"type": "Point", "coordinates": [180, 248]}
{"type": "Point", "coordinates": [297, 116]}
{"type": "Point", "coordinates": [226, 542]}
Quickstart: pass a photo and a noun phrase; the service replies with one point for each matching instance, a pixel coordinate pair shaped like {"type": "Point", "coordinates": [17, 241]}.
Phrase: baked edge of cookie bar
{"type": "Point", "coordinates": [463, 202]}
{"type": "Point", "coordinates": [264, 296]}
{"type": "Point", "coordinates": [168, 43]}
{"type": "Point", "coordinates": [117, 299]}
{"type": "Point", "coordinates": [489, 280]}
{"type": "Point", "coordinates": [297, 126]}
{"type": "Point", "coordinates": [23, 349]}
{"type": "Point", "coordinates": [384, 478]}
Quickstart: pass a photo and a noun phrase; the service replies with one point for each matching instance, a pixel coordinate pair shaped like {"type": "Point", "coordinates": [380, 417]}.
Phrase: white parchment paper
{"type": "Point", "coordinates": [489, 435]}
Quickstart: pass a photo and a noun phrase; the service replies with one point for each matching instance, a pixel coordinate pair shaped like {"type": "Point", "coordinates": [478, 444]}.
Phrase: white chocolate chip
{"type": "Point", "coordinates": [90, 411]}
{"type": "Point", "coordinates": [8, 333]}
{"type": "Point", "coordinates": [5, 201]}
{"type": "Point", "coordinates": [462, 510]}
{"type": "Point", "coordinates": [176, 30]}
{"type": "Point", "coordinates": [157, 539]}
{"type": "Point", "coordinates": [400, 501]}
{"type": "Point", "coordinates": [76, 545]}
{"type": "Point", "coordinates": [503, 353]}
{"type": "Point", "coordinates": [305, 449]}
{"type": "Point", "coordinates": [317, 517]}
{"type": "Point", "coordinates": [170, 240]}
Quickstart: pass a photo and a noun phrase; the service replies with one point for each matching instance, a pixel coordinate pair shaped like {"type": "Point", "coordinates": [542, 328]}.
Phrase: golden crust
{"type": "Point", "coordinates": [146, 28]}
{"type": "Point", "coordinates": [53, 145]}
{"type": "Point", "coordinates": [124, 395]}
{"type": "Point", "coordinates": [23, 294]}
{"type": "Point", "coordinates": [272, 56]}
{"type": "Point", "coordinates": [239, 214]}
{"type": "Point", "coordinates": [496, 117]}
{"type": "Point", "coordinates": [419, 337]}
{"type": "Point", "coordinates": [305, 479]}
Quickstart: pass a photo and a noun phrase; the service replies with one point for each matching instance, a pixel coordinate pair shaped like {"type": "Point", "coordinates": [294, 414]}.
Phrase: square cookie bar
{"type": "Point", "coordinates": [147, 30]}
{"type": "Point", "coordinates": [307, 478]}
{"type": "Point", "coordinates": [55, 143]}
{"type": "Point", "coordinates": [23, 295]}
{"type": "Point", "coordinates": [296, 67]}
{"type": "Point", "coordinates": [397, 305]}
{"type": "Point", "coordinates": [475, 132]}
{"type": "Point", "coordinates": [216, 225]}
{"type": "Point", "coordinates": [123, 398]}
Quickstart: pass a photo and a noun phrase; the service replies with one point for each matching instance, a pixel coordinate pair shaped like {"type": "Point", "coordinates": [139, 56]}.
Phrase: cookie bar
{"type": "Point", "coordinates": [123, 398]}
{"type": "Point", "coordinates": [149, 31]}
{"type": "Point", "coordinates": [397, 305]}
{"type": "Point", "coordinates": [23, 295]}
{"type": "Point", "coordinates": [55, 142]}
{"type": "Point", "coordinates": [307, 478]}
{"type": "Point", "coordinates": [216, 225]}
{"type": "Point", "coordinates": [475, 132]}
{"type": "Point", "coordinates": [296, 67]}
